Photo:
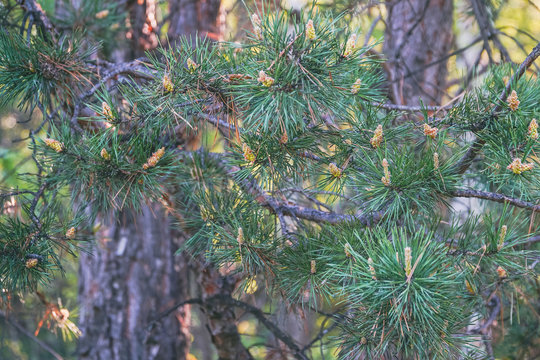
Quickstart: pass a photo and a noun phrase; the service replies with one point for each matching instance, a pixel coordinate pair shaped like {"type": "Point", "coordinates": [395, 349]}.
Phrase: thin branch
{"type": "Point", "coordinates": [533, 240]}
{"type": "Point", "coordinates": [132, 67]}
{"type": "Point", "coordinates": [483, 24]}
{"type": "Point", "coordinates": [259, 315]}
{"type": "Point", "coordinates": [34, 9]}
{"type": "Point", "coordinates": [320, 335]}
{"type": "Point", "coordinates": [500, 198]}
{"type": "Point", "coordinates": [465, 162]}
{"type": "Point", "coordinates": [167, 312]}
{"type": "Point", "coordinates": [371, 29]}
{"type": "Point", "coordinates": [250, 186]}
{"type": "Point", "coordinates": [390, 106]}
{"type": "Point", "coordinates": [19, 327]}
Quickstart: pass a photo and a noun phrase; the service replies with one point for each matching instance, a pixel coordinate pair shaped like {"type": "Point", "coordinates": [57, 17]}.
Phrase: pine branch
{"type": "Point", "coordinates": [500, 198]}
{"type": "Point", "coordinates": [132, 67]}
{"type": "Point", "coordinates": [467, 159]}
{"type": "Point", "coordinates": [34, 9]}
{"type": "Point", "coordinates": [250, 186]}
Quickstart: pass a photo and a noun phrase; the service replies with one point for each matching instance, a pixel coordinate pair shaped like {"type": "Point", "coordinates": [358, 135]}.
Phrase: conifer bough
{"type": "Point", "coordinates": [318, 191]}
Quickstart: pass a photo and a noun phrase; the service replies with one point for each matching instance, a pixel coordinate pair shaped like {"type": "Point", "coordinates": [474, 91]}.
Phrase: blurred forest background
{"type": "Point", "coordinates": [516, 22]}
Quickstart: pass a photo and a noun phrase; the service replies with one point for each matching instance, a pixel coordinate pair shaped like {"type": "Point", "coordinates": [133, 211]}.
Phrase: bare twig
{"type": "Point", "coordinates": [19, 327]}
{"type": "Point", "coordinates": [500, 198]}
{"type": "Point", "coordinates": [258, 313]}
{"type": "Point", "coordinates": [390, 106]}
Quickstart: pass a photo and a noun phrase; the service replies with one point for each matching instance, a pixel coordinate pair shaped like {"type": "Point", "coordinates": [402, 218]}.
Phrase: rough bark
{"type": "Point", "coordinates": [143, 26]}
{"type": "Point", "coordinates": [132, 274]}
{"type": "Point", "coordinates": [200, 18]}
{"type": "Point", "coordinates": [125, 281]}
{"type": "Point", "coordinates": [221, 317]}
{"type": "Point", "coordinates": [418, 33]}
{"type": "Point", "coordinates": [190, 17]}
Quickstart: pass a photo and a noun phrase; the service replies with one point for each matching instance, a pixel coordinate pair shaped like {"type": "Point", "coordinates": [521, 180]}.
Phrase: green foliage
{"type": "Point", "coordinates": [402, 295]}
{"type": "Point", "coordinates": [330, 198]}
{"type": "Point", "coordinates": [40, 71]}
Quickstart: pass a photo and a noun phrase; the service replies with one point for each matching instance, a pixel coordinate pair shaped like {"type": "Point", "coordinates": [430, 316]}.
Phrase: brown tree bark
{"type": "Point", "coordinates": [418, 33]}
{"type": "Point", "coordinates": [190, 17]}
{"type": "Point", "coordinates": [125, 281]}
{"type": "Point", "coordinates": [132, 274]}
{"type": "Point", "coordinates": [221, 317]}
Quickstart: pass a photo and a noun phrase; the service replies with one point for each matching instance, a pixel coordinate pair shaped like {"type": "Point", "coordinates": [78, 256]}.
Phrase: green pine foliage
{"type": "Point", "coordinates": [307, 195]}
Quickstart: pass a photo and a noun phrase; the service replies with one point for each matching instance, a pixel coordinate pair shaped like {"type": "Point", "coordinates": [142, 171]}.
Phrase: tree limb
{"type": "Point", "coordinates": [496, 197]}
{"type": "Point", "coordinates": [251, 187]}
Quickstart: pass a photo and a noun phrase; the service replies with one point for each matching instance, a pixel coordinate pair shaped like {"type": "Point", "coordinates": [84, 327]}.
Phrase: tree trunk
{"type": "Point", "coordinates": [190, 17]}
{"type": "Point", "coordinates": [132, 274]}
{"type": "Point", "coordinates": [125, 281]}
{"type": "Point", "coordinates": [418, 33]}
{"type": "Point", "coordinates": [143, 26]}
{"type": "Point", "coordinates": [221, 316]}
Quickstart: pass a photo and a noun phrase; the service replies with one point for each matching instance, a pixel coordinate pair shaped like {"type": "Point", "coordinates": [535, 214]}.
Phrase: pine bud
{"type": "Point", "coordinates": [102, 14]}
{"type": "Point", "coordinates": [249, 156]}
{"type": "Point", "coordinates": [408, 261]}
{"type": "Point", "coordinates": [335, 170]}
{"type": "Point", "coordinates": [469, 287]}
{"type": "Point", "coordinates": [386, 178]}
{"type": "Point", "coordinates": [377, 137]}
{"type": "Point", "coordinates": [533, 129]}
{"type": "Point", "coordinates": [347, 248]}
{"type": "Point", "coordinates": [430, 131]}
{"type": "Point", "coordinates": [505, 79]}
{"type": "Point", "coordinates": [256, 20]}
{"type": "Point", "coordinates": [167, 83]}
{"type": "Point", "coordinates": [284, 138]}
{"type": "Point", "coordinates": [436, 161]}
{"type": "Point", "coordinates": [105, 154]}
{"type": "Point", "coordinates": [310, 30]}
{"type": "Point", "coordinates": [54, 144]}
{"type": "Point", "coordinates": [513, 101]}
{"type": "Point", "coordinates": [251, 286]}
{"type": "Point", "coordinates": [256, 26]}
{"type": "Point", "coordinates": [502, 236]}
{"type": "Point", "coordinates": [518, 167]}
{"type": "Point", "coordinates": [350, 46]}
{"type": "Point", "coordinates": [192, 65]}
{"type": "Point", "coordinates": [371, 269]}
{"type": "Point", "coordinates": [501, 272]}
{"type": "Point", "coordinates": [153, 160]}
{"type": "Point", "coordinates": [107, 111]}
{"type": "Point", "coordinates": [356, 86]}
{"type": "Point", "coordinates": [70, 233]}
{"type": "Point", "coordinates": [265, 79]}
{"type": "Point", "coordinates": [240, 237]}
{"type": "Point", "coordinates": [30, 263]}
{"type": "Point", "coordinates": [313, 266]}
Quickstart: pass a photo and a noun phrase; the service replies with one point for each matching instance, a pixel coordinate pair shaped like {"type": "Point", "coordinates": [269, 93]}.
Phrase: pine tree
{"type": "Point", "coordinates": [314, 187]}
